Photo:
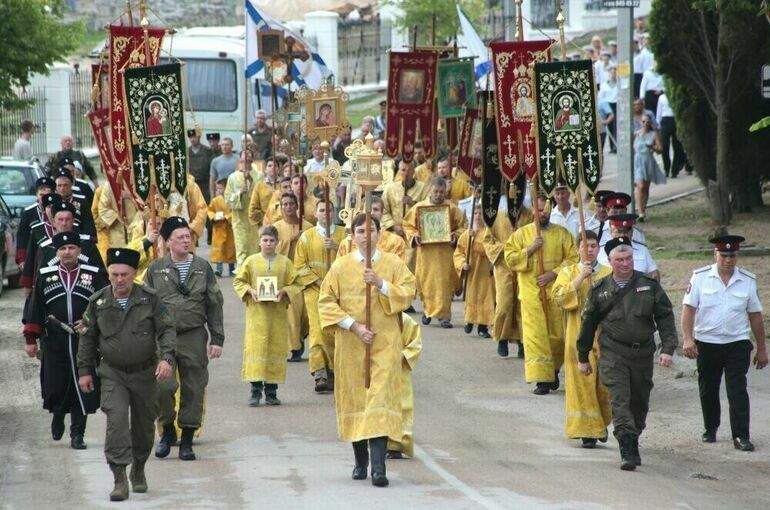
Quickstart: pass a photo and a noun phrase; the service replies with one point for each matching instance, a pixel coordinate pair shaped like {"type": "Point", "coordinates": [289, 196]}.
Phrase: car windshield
{"type": "Point", "coordinates": [16, 180]}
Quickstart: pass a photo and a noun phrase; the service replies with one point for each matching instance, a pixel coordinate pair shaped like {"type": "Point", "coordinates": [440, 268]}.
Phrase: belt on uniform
{"type": "Point", "coordinates": [634, 346]}
{"type": "Point", "coordinates": [130, 369]}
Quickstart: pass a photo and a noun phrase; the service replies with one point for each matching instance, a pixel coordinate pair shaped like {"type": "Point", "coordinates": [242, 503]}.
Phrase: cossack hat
{"type": "Point", "coordinates": [212, 136]}
{"type": "Point", "coordinates": [727, 244]}
{"type": "Point", "coordinates": [43, 182]}
{"type": "Point", "coordinates": [191, 132]}
{"type": "Point", "coordinates": [51, 199]}
{"type": "Point", "coordinates": [65, 238]}
{"type": "Point", "coordinates": [617, 201]}
{"type": "Point", "coordinates": [61, 206]}
{"type": "Point", "coordinates": [622, 220]}
{"type": "Point", "coordinates": [614, 243]}
{"type": "Point", "coordinates": [172, 223]}
{"type": "Point", "coordinates": [123, 256]}
{"type": "Point", "coordinates": [64, 172]}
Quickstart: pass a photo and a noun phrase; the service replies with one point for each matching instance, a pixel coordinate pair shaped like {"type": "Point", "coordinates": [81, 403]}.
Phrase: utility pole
{"type": "Point", "coordinates": [625, 180]}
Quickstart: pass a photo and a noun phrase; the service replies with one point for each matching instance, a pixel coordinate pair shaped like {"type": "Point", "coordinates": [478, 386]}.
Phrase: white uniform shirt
{"type": "Point", "coordinates": [571, 221]}
{"type": "Point", "coordinates": [664, 108]}
{"type": "Point", "coordinates": [651, 81]}
{"type": "Point", "coordinates": [643, 261]}
{"type": "Point", "coordinates": [606, 234]}
{"type": "Point", "coordinates": [722, 312]}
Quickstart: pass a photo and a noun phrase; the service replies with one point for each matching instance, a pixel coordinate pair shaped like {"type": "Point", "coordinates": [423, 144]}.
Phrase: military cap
{"type": "Point", "coordinates": [61, 206]}
{"type": "Point", "coordinates": [63, 172]}
{"type": "Point", "coordinates": [123, 256]}
{"type": "Point", "coordinates": [616, 201]}
{"type": "Point", "coordinates": [172, 223]}
{"type": "Point", "coordinates": [51, 199]}
{"type": "Point", "coordinates": [623, 220]}
{"type": "Point", "coordinates": [191, 132]}
{"type": "Point", "coordinates": [561, 184]}
{"type": "Point", "coordinates": [599, 195]}
{"type": "Point", "coordinates": [43, 182]}
{"type": "Point", "coordinates": [727, 244]}
{"type": "Point", "coordinates": [212, 136]}
{"type": "Point", "coordinates": [614, 243]}
{"type": "Point", "coordinates": [65, 238]}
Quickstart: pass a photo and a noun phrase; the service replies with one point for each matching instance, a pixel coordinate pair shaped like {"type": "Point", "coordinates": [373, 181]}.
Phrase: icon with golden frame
{"type": "Point", "coordinates": [267, 288]}
{"type": "Point", "coordinates": [433, 224]}
{"type": "Point", "coordinates": [325, 115]}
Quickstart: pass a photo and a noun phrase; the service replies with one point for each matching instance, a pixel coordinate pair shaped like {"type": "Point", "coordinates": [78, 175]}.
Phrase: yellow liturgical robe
{"type": "Point", "coordinates": [436, 279]}
{"type": "Point", "coordinates": [298, 324]}
{"type": "Point", "coordinates": [480, 293]}
{"type": "Point", "coordinates": [388, 243]}
{"type": "Point", "coordinates": [412, 338]}
{"type": "Point", "coordinates": [267, 322]}
{"type": "Point", "coordinates": [587, 402]}
{"type": "Point", "coordinates": [507, 323]}
{"type": "Point", "coordinates": [222, 240]}
{"type": "Point", "coordinates": [237, 193]}
{"type": "Point", "coordinates": [259, 201]}
{"type": "Point", "coordinates": [543, 339]}
{"type": "Point", "coordinates": [374, 412]}
{"type": "Point", "coordinates": [310, 261]}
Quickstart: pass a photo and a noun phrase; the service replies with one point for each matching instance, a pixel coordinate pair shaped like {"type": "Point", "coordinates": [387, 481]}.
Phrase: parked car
{"type": "Point", "coordinates": [9, 226]}
{"type": "Point", "coordinates": [17, 182]}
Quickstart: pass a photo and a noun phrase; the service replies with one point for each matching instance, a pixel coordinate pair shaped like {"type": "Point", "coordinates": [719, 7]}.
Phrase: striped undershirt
{"type": "Point", "coordinates": [622, 283]}
{"type": "Point", "coordinates": [184, 269]}
{"type": "Point", "coordinates": [123, 302]}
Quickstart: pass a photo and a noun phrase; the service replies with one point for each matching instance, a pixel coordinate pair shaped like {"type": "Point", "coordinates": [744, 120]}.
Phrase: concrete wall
{"type": "Point", "coordinates": [57, 104]}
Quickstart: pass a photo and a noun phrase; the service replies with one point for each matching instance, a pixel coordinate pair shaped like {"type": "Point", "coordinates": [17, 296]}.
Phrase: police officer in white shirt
{"type": "Point", "coordinates": [598, 222]}
{"type": "Point", "coordinates": [621, 225]}
{"type": "Point", "coordinates": [563, 213]}
{"type": "Point", "coordinates": [617, 203]}
{"type": "Point", "coordinates": [720, 307]}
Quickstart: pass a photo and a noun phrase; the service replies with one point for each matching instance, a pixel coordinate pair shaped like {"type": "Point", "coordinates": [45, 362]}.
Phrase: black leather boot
{"type": "Point", "coordinates": [361, 452]}
{"type": "Point", "coordinates": [378, 447]}
{"type": "Point", "coordinates": [635, 451]}
{"type": "Point", "coordinates": [185, 444]}
{"type": "Point", "coordinates": [166, 440]}
{"type": "Point", "coordinates": [77, 429]}
{"type": "Point", "coordinates": [627, 462]}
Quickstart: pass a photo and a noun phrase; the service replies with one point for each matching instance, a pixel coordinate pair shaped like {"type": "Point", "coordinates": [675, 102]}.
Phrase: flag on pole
{"type": "Point", "coordinates": [311, 71]}
{"type": "Point", "coordinates": [471, 45]}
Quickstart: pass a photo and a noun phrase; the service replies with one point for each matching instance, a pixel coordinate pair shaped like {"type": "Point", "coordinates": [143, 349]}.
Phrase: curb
{"type": "Point", "coordinates": [666, 200]}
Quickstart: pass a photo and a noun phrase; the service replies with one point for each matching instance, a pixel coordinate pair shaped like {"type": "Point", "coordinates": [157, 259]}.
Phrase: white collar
{"type": "Point", "coordinates": [714, 272]}
{"type": "Point", "coordinates": [321, 230]}
{"type": "Point", "coordinates": [360, 257]}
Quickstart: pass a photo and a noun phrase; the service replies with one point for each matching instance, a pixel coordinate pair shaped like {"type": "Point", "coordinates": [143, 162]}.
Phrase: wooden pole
{"type": "Point", "coordinates": [368, 354]}
{"type": "Point", "coordinates": [470, 244]}
{"type": "Point", "coordinates": [274, 98]}
{"type": "Point", "coordinates": [130, 14]}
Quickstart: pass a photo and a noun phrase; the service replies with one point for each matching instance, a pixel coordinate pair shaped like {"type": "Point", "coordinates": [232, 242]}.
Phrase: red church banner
{"type": "Point", "coordinates": [471, 160]}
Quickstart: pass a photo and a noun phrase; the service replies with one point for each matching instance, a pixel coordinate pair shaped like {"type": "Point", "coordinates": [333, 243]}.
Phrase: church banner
{"type": "Point", "coordinates": [456, 86]}
{"type": "Point", "coordinates": [411, 110]}
{"type": "Point", "coordinates": [471, 145]}
{"type": "Point", "coordinates": [153, 98]}
{"type": "Point", "coordinates": [515, 106]}
{"type": "Point", "coordinates": [99, 120]}
{"type": "Point", "coordinates": [126, 50]}
{"type": "Point", "coordinates": [568, 132]}
{"type": "Point", "coordinates": [492, 180]}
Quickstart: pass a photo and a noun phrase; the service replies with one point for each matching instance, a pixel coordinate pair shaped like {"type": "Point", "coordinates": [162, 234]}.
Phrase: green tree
{"type": "Point", "coordinates": [34, 37]}
{"type": "Point", "coordinates": [423, 13]}
{"type": "Point", "coordinates": [710, 52]}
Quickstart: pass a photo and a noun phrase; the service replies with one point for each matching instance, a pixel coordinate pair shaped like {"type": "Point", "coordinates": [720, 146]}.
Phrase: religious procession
{"type": "Point", "coordinates": [332, 256]}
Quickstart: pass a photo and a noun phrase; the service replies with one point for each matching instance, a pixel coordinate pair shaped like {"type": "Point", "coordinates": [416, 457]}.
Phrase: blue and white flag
{"type": "Point", "coordinates": [311, 72]}
{"type": "Point", "coordinates": [471, 45]}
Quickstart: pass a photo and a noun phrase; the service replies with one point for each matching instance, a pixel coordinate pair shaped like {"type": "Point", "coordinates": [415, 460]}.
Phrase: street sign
{"type": "Point", "coordinates": [766, 81]}
{"type": "Point", "coordinates": [616, 4]}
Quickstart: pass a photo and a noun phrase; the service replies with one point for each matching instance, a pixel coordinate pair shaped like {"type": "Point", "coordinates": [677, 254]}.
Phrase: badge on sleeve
{"type": "Point", "coordinates": [689, 288]}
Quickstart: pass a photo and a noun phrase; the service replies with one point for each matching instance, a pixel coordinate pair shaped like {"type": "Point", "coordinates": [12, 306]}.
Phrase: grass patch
{"type": "Point", "coordinates": [88, 41]}
{"type": "Point", "coordinates": [362, 106]}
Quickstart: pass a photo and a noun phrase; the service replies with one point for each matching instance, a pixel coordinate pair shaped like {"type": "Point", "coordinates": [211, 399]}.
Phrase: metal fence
{"type": "Point", "coordinates": [10, 122]}
{"type": "Point", "coordinates": [362, 46]}
{"type": "Point", "coordinates": [80, 104]}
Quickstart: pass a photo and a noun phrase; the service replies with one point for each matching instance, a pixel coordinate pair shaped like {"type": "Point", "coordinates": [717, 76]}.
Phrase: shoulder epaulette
{"type": "Point", "coordinates": [89, 267]}
{"type": "Point", "coordinates": [646, 277]}
{"type": "Point", "coordinates": [701, 269]}
{"type": "Point", "coordinates": [30, 207]}
{"type": "Point", "coordinates": [747, 273]}
{"type": "Point", "coordinates": [99, 293]}
{"type": "Point", "coordinates": [50, 269]}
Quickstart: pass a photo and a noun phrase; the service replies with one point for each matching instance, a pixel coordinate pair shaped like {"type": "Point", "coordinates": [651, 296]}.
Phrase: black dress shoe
{"type": "Point", "coordinates": [483, 331]}
{"type": "Point", "coordinates": [57, 426]}
{"type": "Point", "coordinates": [502, 348]}
{"type": "Point", "coordinates": [425, 319]}
{"type": "Point", "coordinates": [743, 445]}
{"type": "Point", "coordinates": [468, 328]}
{"type": "Point", "coordinates": [359, 473]}
{"type": "Point", "coordinates": [446, 324]}
{"type": "Point", "coordinates": [321, 385]}
{"type": "Point", "coordinates": [410, 310]}
{"type": "Point", "coordinates": [555, 383]}
{"type": "Point", "coordinates": [588, 442]}
{"type": "Point", "coordinates": [394, 454]}
{"type": "Point", "coordinates": [543, 388]}
{"type": "Point", "coordinates": [710, 436]}
{"type": "Point", "coordinates": [166, 440]}
{"type": "Point", "coordinates": [77, 443]}
{"type": "Point", "coordinates": [379, 480]}
{"type": "Point", "coordinates": [296, 356]}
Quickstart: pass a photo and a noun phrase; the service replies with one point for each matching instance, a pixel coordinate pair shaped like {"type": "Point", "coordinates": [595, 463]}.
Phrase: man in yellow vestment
{"type": "Point", "coordinates": [372, 413]}
{"type": "Point", "coordinates": [237, 194]}
{"type": "Point", "coordinates": [436, 280]}
{"type": "Point", "coordinates": [507, 323]}
{"type": "Point", "coordinates": [262, 193]}
{"type": "Point", "coordinates": [316, 250]}
{"type": "Point", "coordinates": [267, 324]}
{"type": "Point", "coordinates": [289, 230]}
{"type": "Point", "coordinates": [587, 401]}
{"type": "Point", "coordinates": [542, 325]}
{"type": "Point", "coordinates": [458, 184]}
{"type": "Point", "coordinates": [404, 443]}
{"type": "Point", "coordinates": [480, 285]}
{"type": "Point", "coordinates": [388, 242]}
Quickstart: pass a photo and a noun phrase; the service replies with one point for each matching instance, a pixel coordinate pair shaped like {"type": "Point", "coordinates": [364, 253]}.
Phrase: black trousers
{"type": "Point", "coordinates": [733, 360]}
{"type": "Point", "coordinates": [668, 139]}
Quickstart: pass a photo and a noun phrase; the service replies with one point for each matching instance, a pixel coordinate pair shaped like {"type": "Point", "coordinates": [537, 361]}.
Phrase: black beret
{"type": "Point", "coordinates": [43, 182]}
{"type": "Point", "coordinates": [63, 206]}
{"type": "Point", "coordinates": [63, 172]}
{"type": "Point", "coordinates": [123, 256]}
{"type": "Point", "coordinates": [212, 136]}
{"type": "Point", "coordinates": [614, 243]}
{"type": "Point", "coordinates": [190, 132]}
{"type": "Point", "coordinates": [51, 199]}
{"type": "Point", "coordinates": [172, 223]}
{"type": "Point", "coordinates": [65, 238]}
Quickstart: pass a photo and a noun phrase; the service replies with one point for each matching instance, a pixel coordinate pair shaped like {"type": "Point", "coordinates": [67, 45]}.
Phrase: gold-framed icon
{"type": "Point", "coordinates": [325, 111]}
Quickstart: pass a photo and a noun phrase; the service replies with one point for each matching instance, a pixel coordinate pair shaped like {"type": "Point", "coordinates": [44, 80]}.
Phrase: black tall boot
{"type": "Point", "coordinates": [626, 442]}
{"type": "Point", "coordinates": [378, 447]}
{"type": "Point", "coordinates": [185, 444]}
{"type": "Point", "coordinates": [166, 440]}
{"type": "Point", "coordinates": [635, 450]}
{"type": "Point", "coordinates": [77, 429]}
{"type": "Point", "coordinates": [361, 452]}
